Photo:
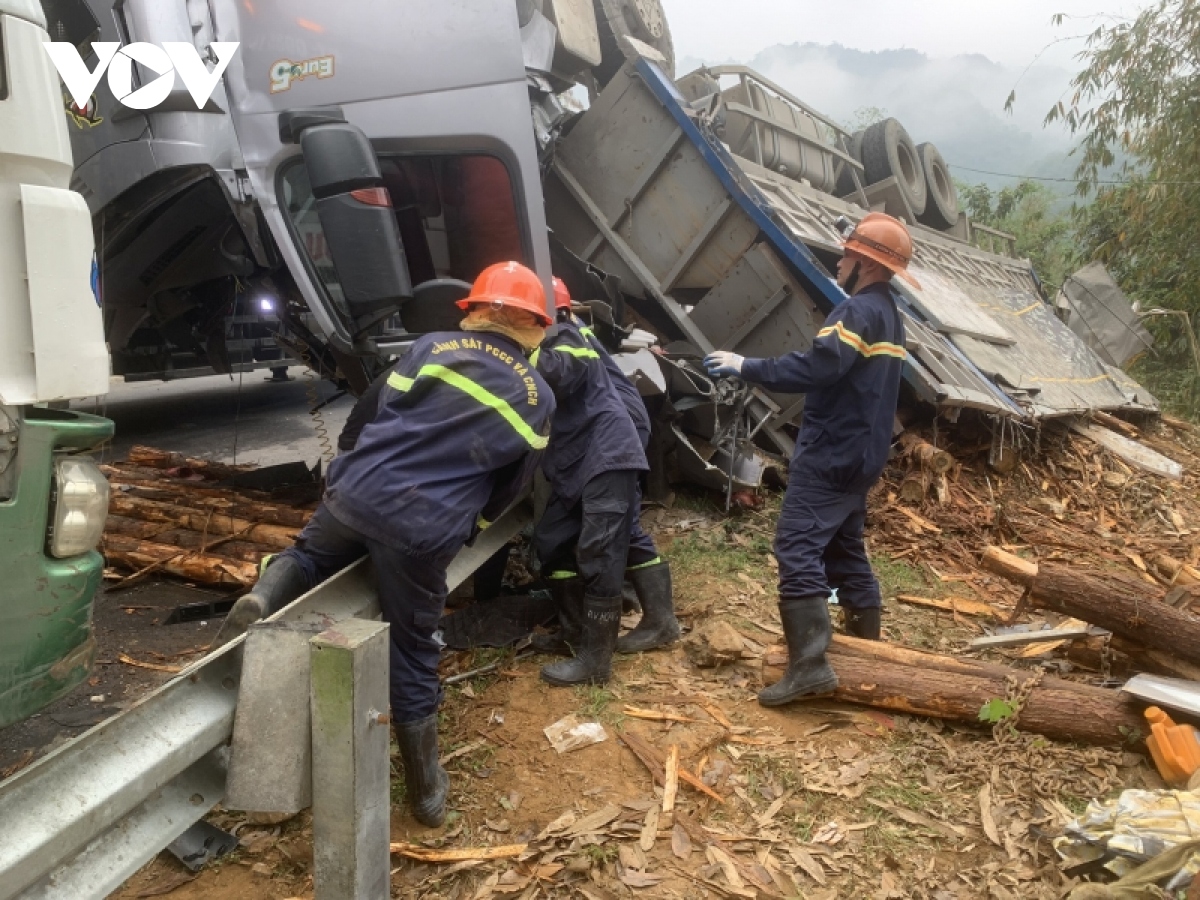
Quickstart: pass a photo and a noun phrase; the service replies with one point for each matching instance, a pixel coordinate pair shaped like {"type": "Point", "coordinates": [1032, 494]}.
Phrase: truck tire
{"type": "Point", "coordinates": [645, 20]}
{"type": "Point", "coordinates": [888, 151]}
{"type": "Point", "coordinates": [845, 182]}
{"type": "Point", "coordinates": [941, 209]}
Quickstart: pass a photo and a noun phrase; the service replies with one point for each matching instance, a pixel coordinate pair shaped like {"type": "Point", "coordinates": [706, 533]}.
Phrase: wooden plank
{"type": "Point", "coordinates": [1021, 638]}
{"type": "Point", "coordinates": [1131, 451]}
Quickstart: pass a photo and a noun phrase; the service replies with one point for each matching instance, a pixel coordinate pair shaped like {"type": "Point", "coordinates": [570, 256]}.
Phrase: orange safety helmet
{"type": "Point", "coordinates": [562, 297]}
{"type": "Point", "coordinates": [885, 240]}
{"type": "Point", "coordinates": [509, 284]}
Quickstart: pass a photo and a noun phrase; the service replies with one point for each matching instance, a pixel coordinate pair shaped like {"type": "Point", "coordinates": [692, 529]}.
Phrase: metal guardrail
{"type": "Point", "coordinates": [79, 822]}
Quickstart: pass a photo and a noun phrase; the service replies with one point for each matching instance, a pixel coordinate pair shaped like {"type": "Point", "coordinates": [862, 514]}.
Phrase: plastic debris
{"type": "Point", "coordinates": [568, 734]}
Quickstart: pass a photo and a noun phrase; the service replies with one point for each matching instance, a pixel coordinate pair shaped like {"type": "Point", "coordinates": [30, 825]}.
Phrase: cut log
{"type": "Point", "coordinates": [880, 676]}
{"type": "Point", "coordinates": [925, 454]}
{"type": "Point", "coordinates": [1129, 658]}
{"type": "Point", "coordinates": [1005, 462]}
{"type": "Point", "coordinates": [137, 555]}
{"type": "Point", "coordinates": [1176, 572]}
{"type": "Point", "coordinates": [914, 486]}
{"type": "Point", "coordinates": [1009, 566]}
{"type": "Point", "coordinates": [160, 533]}
{"type": "Point", "coordinates": [232, 505]}
{"type": "Point", "coordinates": [162, 459]}
{"type": "Point", "coordinates": [1178, 424]}
{"type": "Point", "coordinates": [1121, 604]}
{"type": "Point", "coordinates": [1108, 421]}
{"type": "Point", "coordinates": [277, 537]}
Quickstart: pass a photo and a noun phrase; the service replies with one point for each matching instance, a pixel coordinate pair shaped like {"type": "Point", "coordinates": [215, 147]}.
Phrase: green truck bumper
{"type": "Point", "coordinates": [46, 642]}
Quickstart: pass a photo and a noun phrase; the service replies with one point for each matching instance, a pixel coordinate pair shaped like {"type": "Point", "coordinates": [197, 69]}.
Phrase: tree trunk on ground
{"type": "Point", "coordinates": [135, 555]}
{"type": "Point", "coordinates": [925, 454]}
{"type": "Point", "coordinates": [1175, 572]}
{"type": "Point", "coordinates": [914, 486]}
{"type": "Point", "coordinates": [1009, 566]}
{"type": "Point", "coordinates": [924, 684]}
{"type": "Point", "coordinates": [161, 459]}
{"type": "Point", "coordinates": [158, 533]}
{"type": "Point", "coordinates": [1123, 605]}
{"type": "Point", "coordinates": [228, 506]}
{"type": "Point", "coordinates": [215, 524]}
{"type": "Point", "coordinates": [1128, 658]}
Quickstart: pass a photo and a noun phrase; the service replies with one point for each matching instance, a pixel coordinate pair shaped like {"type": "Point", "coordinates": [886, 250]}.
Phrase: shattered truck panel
{"type": "Point", "coordinates": [731, 253]}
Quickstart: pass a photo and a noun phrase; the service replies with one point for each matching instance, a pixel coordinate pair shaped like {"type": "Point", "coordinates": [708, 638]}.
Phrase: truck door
{"type": "Point", "coordinates": [390, 148]}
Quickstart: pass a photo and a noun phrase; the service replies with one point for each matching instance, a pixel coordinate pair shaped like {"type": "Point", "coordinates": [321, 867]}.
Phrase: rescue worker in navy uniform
{"type": "Point", "coordinates": [851, 376]}
{"type": "Point", "coordinates": [582, 540]}
{"type": "Point", "coordinates": [461, 425]}
{"type": "Point", "coordinates": [645, 569]}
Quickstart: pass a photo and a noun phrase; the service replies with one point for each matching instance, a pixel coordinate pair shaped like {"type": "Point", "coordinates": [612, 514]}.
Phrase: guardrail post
{"type": "Point", "coordinates": [350, 734]}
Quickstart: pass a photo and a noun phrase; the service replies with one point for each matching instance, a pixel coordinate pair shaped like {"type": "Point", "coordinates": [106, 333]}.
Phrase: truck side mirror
{"type": "Point", "coordinates": [356, 216]}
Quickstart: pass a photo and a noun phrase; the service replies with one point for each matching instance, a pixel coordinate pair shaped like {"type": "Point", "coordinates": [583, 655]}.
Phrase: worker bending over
{"type": "Point", "coordinates": [645, 569]}
{"type": "Point", "coordinates": [851, 376]}
{"type": "Point", "coordinates": [583, 538]}
{"type": "Point", "coordinates": [460, 428]}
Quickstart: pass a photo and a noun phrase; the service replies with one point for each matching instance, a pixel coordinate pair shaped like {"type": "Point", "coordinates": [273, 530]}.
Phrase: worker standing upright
{"type": "Point", "coordinates": [593, 464]}
{"type": "Point", "coordinates": [851, 376]}
{"type": "Point", "coordinates": [461, 424]}
{"type": "Point", "coordinates": [645, 568]}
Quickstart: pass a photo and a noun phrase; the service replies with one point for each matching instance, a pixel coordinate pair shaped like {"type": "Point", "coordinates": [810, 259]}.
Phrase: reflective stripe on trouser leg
{"type": "Point", "coordinates": [412, 595]}
{"type": "Point", "coordinates": [555, 536]}
{"type": "Point", "coordinates": [642, 551]}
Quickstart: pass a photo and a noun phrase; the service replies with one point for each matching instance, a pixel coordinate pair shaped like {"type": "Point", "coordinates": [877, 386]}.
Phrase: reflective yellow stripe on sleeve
{"type": "Point", "coordinates": [535, 356]}
{"type": "Point", "coordinates": [399, 382]}
{"type": "Point", "coordinates": [848, 337]}
{"type": "Point", "coordinates": [476, 392]}
{"type": "Point", "coordinates": [581, 352]}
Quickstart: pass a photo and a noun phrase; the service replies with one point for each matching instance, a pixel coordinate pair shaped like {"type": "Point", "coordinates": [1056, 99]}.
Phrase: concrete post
{"type": "Point", "coordinates": [270, 763]}
{"type": "Point", "coordinates": [350, 732]}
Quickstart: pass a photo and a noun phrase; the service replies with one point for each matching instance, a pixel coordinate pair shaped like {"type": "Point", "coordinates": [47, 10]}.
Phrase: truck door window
{"type": "Point", "coordinates": [456, 214]}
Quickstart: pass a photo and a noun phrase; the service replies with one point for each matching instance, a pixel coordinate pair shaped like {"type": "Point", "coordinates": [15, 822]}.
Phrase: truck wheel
{"type": "Point", "coordinates": [888, 151]}
{"type": "Point", "coordinates": [642, 19]}
{"type": "Point", "coordinates": [845, 182]}
{"type": "Point", "coordinates": [941, 209]}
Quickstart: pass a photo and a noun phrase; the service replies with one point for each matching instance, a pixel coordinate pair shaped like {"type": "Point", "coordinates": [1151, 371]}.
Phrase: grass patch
{"type": "Point", "coordinates": [899, 577]}
{"type": "Point", "coordinates": [596, 703]}
{"type": "Point", "coordinates": [909, 793]}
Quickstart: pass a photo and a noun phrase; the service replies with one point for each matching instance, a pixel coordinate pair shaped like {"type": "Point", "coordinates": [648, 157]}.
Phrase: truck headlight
{"type": "Point", "coordinates": [81, 508]}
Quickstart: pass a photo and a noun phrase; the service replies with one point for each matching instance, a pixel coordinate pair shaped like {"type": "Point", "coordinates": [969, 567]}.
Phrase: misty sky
{"type": "Point", "coordinates": [1006, 31]}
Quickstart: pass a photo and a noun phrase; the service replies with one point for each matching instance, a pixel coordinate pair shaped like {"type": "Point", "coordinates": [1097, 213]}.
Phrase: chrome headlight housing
{"type": "Point", "coordinates": [80, 509]}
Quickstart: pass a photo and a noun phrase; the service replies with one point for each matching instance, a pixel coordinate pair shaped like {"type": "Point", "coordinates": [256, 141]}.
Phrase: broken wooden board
{"type": "Point", "coordinates": [1021, 638]}
{"type": "Point", "coordinates": [1131, 451]}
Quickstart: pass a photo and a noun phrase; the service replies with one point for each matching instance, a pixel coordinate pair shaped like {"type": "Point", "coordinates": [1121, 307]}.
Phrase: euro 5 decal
{"type": "Point", "coordinates": [171, 59]}
{"type": "Point", "coordinates": [284, 71]}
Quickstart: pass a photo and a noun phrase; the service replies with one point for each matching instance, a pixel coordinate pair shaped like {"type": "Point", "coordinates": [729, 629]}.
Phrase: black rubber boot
{"type": "Point", "coordinates": [592, 663]}
{"type": "Point", "coordinates": [659, 626]}
{"type": "Point", "coordinates": [425, 781]}
{"type": "Point", "coordinates": [281, 582]}
{"type": "Point", "coordinates": [568, 598]}
{"type": "Point", "coordinates": [808, 632]}
{"type": "Point", "coordinates": [864, 623]}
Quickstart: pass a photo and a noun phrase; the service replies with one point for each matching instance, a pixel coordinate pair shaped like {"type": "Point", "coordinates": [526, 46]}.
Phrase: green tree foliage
{"type": "Point", "coordinates": [1138, 100]}
{"type": "Point", "coordinates": [1027, 212]}
{"type": "Point", "coordinates": [1136, 106]}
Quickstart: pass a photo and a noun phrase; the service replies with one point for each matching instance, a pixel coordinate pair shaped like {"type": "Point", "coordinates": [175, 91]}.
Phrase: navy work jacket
{"type": "Point", "coordinates": [851, 376]}
{"type": "Point", "coordinates": [462, 423]}
{"type": "Point", "coordinates": [592, 431]}
{"type": "Point", "coordinates": [634, 404]}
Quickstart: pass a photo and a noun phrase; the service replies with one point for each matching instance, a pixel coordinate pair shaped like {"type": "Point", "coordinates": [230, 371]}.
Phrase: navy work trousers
{"type": "Point", "coordinates": [412, 594]}
{"type": "Point", "coordinates": [819, 546]}
{"type": "Point", "coordinates": [591, 536]}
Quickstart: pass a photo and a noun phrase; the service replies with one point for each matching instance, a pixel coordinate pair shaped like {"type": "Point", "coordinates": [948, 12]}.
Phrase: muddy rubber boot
{"type": "Point", "coordinates": [659, 626]}
{"type": "Point", "coordinates": [864, 623]}
{"type": "Point", "coordinates": [808, 631]}
{"type": "Point", "coordinates": [426, 783]}
{"type": "Point", "coordinates": [568, 598]}
{"type": "Point", "coordinates": [281, 582]}
{"type": "Point", "coordinates": [592, 663]}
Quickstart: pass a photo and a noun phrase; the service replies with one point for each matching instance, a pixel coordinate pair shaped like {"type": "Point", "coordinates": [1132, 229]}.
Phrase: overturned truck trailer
{"type": "Point", "coordinates": [719, 251]}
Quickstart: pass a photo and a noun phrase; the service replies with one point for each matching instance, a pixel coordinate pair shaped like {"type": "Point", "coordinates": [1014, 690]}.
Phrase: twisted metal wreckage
{"type": "Point", "coordinates": [712, 249]}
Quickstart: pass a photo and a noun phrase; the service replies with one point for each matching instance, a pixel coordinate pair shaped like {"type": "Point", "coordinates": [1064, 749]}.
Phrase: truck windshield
{"type": "Point", "coordinates": [456, 215]}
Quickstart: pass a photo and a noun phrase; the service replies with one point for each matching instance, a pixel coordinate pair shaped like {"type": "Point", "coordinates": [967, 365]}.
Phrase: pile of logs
{"type": "Point", "coordinates": [169, 514]}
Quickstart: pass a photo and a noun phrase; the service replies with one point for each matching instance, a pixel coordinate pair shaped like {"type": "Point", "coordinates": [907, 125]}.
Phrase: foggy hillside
{"type": "Point", "coordinates": [957, 103]}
